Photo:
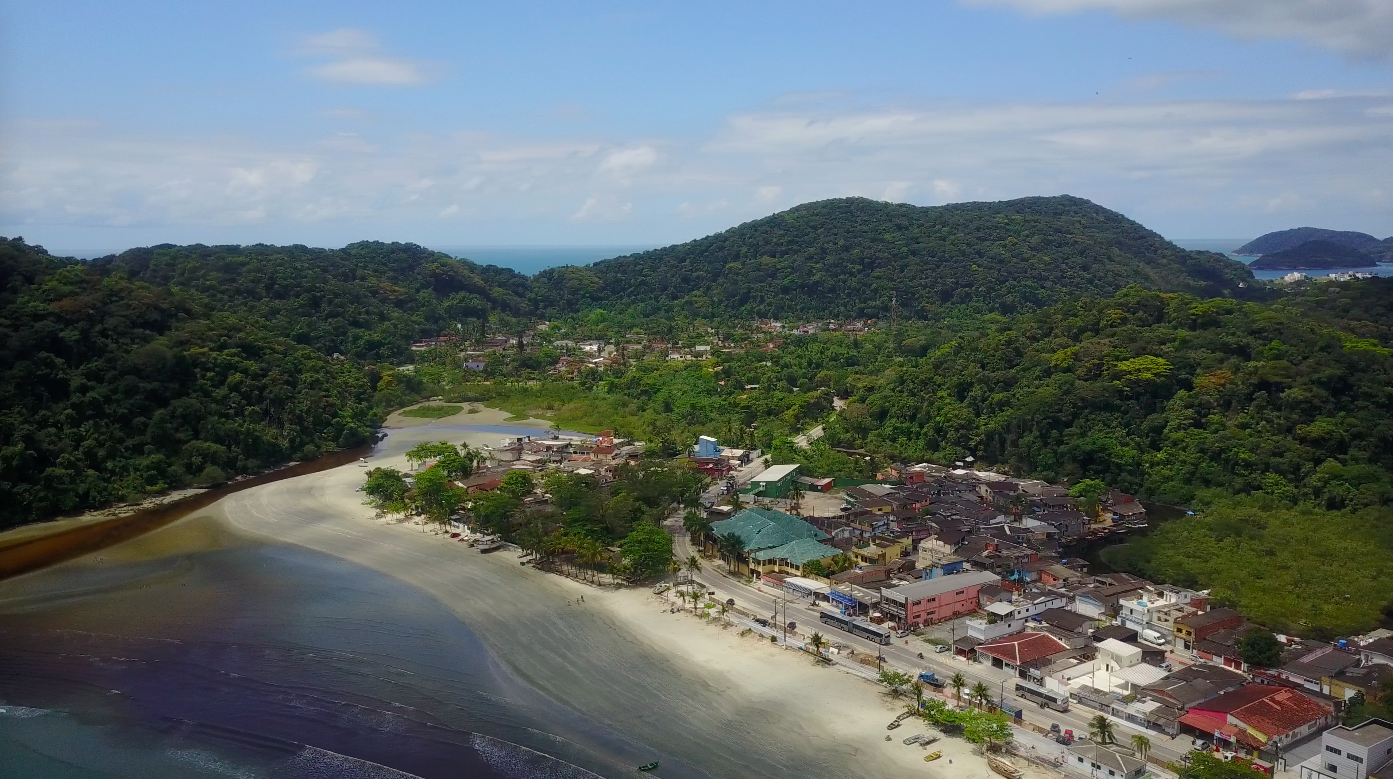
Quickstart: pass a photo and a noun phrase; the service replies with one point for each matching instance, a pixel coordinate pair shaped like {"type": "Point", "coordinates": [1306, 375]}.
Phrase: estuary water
{"type": "Point", "coordinates": [264, 660]}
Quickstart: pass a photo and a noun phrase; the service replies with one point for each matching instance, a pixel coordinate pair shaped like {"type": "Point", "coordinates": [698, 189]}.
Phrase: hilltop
{"type": "Point", "coordinates": [852, 257]}
{"type": "Point", "coordinates": [1283, 240]}
{"type": "Point", "coordinates": [1314, 255]}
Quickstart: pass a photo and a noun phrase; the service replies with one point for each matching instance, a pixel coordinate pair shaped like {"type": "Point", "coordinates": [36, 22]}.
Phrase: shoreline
{"type": "Point", "coordinates": [791, 710]}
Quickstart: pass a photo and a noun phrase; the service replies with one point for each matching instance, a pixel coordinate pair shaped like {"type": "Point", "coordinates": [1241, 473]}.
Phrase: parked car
{"type": "Point", "coordinates": [901, 633]}
{"type": "Point", "coordinates": [762, 622]}
{"type": "Point", "coordinates": [940, 648]}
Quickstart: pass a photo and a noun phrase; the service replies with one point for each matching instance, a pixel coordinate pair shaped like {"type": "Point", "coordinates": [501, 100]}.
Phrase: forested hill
{"type": "Point", "coordinates": [170, 366]}
{"type": "Point", "coordinates": [1290, 239]}
{"type": "Point", "coordinates": [849, 257]}
{"type": "Point", "coordinates": [368, 300]}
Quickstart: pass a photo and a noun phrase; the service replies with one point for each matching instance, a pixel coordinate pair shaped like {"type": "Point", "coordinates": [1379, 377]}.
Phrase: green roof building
{"type": "Point", "coordinates": [773, 538]}
{"type": "Point", "coordinates": [775, 481]}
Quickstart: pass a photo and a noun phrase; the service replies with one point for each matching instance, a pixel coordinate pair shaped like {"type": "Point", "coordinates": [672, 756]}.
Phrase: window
{"type": "Point", "coordinates": [1333, 750]}
{"type": "Point", "coordinates": [1355, 758]}
{"type": "Point", "coordinates": [1111, 772]}
{"type": "Point", "coordinates": [1332, 768]}
{"type": "Point", "coordinates": [960, 592]}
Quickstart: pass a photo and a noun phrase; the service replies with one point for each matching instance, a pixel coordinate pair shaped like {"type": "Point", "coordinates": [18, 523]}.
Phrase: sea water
{"type": "Point", "coordinates": [1227, 246]}
{"type": "Point", "coordinates": [529, 260]}
{"type": "Point", "coordinates": [266, 661]}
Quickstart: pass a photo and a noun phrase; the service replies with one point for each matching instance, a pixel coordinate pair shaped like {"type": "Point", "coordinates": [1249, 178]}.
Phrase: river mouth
{"type": "Point", "coordinates": [250, 660]}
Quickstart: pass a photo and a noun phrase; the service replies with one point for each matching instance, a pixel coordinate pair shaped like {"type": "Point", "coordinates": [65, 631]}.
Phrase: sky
{"type": "Point", "coordinates": [625, 123]}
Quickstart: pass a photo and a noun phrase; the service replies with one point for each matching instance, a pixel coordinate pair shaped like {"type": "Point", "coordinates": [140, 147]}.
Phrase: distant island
{"type": "Point", "coordinates": [1282, 240]}
{"type": "Point", "coordinates": [1315, 255]}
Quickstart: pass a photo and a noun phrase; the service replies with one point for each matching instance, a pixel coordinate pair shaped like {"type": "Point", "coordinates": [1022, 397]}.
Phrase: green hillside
{"type": "Point", "coordinates": [851, 257]}
{"type": "Point", "coordinates": [1314, 255]}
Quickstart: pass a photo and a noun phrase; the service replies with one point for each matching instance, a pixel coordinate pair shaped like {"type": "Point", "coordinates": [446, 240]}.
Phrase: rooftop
{"type": "Point", "coordinates": [762, 528]}
{"type": "Point", "coordinates": [798, 552]}
{"type": "Point", "coordinates": [1366, 734]}
{"type": "Point", "coordinates": [1094, 752]}
{"type": "Point", "coordinates": [775, 473]}
{"type": "Point", "coordinates": [1023, 648]}
{"type": "Point", "coordinates": [928, 588]}
{"type": "Point", "coordinates": [1206, 618]}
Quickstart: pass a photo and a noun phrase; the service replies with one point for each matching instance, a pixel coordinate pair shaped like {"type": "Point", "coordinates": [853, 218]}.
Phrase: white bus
{"type": "Point", "coordinates": [1047, 699]}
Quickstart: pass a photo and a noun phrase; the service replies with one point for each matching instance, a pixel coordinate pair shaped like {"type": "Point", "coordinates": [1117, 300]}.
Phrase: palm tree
{"type": "Point", "coordinates": [918, 689]}
{"type": "Point", "coordinates": [795, 495]}
{"type": "Point", "coordinates": [958, 683]}
{"type": "Point", "coordinates": [696, 525]}
{"type": "Point", "coordinates": [724, 608]}
{"type": "Point", "coordinates": [1142, 745]}
{"type": "Point", "coordinates": [735, 501]}
{"type": "Point", "coordinates": [731, 546]}
{"type": "Point", "coordinates": [1100, 728]}
{"type": "Point", "coordinates": [981, 693]}
{"type": "Point", "coordinates": [817, 641]}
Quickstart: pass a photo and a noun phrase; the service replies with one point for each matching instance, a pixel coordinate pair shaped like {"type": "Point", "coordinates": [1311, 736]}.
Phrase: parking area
{"type": "Point", "coordinates": [945, 632]}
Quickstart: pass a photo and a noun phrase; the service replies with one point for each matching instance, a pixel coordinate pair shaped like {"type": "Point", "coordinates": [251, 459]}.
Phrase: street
{"type": "Point", "coordinates": [903, 653]}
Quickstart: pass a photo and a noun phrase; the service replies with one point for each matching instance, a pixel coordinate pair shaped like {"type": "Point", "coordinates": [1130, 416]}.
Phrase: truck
{"type": "Point", "coordinates": [928, 677]}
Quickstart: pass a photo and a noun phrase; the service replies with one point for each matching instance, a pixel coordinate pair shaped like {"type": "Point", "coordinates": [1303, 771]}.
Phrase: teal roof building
{"type": "Point", "coordinates": [762, 528]}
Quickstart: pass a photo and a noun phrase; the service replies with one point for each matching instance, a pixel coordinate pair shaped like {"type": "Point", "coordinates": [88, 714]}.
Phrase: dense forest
{"type": "Point", "coordinates": [175, 366]}
{"type": "Point", "coordinates": [1048, 336]}
{"type": "Point", "coordinates": [1290, 239]}
{"type": "Point", "coordinates": [856, 258]}
{"type": "Point", "coordinates": [1314, 255]}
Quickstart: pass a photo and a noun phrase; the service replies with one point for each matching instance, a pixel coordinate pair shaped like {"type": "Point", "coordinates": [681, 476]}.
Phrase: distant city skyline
{"type": "Point", "coordinates": [537, 124]}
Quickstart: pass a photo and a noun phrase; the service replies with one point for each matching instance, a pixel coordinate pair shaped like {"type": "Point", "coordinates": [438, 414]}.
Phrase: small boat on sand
{"type": "Point", "coordinates": [932, 756]}
{"type": "Point", "coordinates": [648, 766]}
{"type": "Point", "coordinates": [1004, 768]}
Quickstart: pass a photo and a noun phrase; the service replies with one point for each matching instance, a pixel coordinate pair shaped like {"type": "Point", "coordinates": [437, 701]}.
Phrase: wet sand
{"type": "Point", "coordinates": [733, 706]}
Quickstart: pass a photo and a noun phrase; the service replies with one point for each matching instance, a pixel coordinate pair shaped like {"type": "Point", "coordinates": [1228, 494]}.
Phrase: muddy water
{"type": "Point", "coordinates": [198, 653]}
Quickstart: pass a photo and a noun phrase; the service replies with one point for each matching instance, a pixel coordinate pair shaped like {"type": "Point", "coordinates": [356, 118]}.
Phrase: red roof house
{"type": "Point", "coordinates": [1258, 716]}
{"type": "Point", "coordinates": [1020, 650]}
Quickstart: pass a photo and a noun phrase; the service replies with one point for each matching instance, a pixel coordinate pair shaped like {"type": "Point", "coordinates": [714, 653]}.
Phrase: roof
{"type": "Point", "coordinates": [1140, 674]}
{"type": "Point", "coordinates": [1023, 647]}
{"type": "Point", "coordinates": [762, 528]}
{"type": "Point", "coordinates": [1234, 700]}
{"type": "Point", "coordinates": [1066, 619]}
{"type": "Point", "coordinates": [1280, 713]}
{"type": "Point", "coordinates": [1192, 684]}
{"type": "Point", "coordinates": [798, 552]}
{"type": "Point", "coordinates": [1206, 618]}
{"type": "Point", "coordinates": [1119, 649]}
{"type": "Point", "coordinates": [1114, 631]}
{"type": "Point", "coordinates": [775, 473]}
{"type": "Point", "coordinates": [928, 588]}
{"type": "Point", "coordinates": [1379, 646]}
{"type": "Point", "coordinates": [1094, 752]}
{"type": "Point", "coordinates": [1369, 733]}
{"type": "Point", "coordinates": [1325, 661]}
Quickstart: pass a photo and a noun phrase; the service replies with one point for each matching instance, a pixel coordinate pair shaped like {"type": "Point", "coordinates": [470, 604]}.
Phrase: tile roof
{"type": "Point", "coordinates": [1323, 662]}
{"type": "Point", "coordinates": [762, 528]}
{"type": "Point", "coordinates": [1094, 752]}
{"type": "Point", "coordinates": [1280, 713]}
{"type": "Point", "coordinates": [1206, 618]}
{"type": "Point", "coordinates": [798, 552]}
{"type": "Point", "coordinates": [1236, 699]}
{"type": "Point", "coordinates": [1023, 647]}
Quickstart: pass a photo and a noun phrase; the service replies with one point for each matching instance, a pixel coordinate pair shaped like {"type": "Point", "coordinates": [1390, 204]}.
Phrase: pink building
{"type": "Point", "coordinates": [934, 600]}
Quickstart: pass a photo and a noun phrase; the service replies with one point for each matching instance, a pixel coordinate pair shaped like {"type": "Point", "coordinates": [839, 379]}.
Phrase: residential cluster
{"type": "Point", "coordinates": [984, 558]}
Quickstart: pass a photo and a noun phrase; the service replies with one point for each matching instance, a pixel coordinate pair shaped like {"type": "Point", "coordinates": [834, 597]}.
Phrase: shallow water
{"type": "Point", "coordinates": [265, 661]}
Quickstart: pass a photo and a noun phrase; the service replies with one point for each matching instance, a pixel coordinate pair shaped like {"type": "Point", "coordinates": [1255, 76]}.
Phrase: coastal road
{"type": "Point", "coordinates": [763, 602]}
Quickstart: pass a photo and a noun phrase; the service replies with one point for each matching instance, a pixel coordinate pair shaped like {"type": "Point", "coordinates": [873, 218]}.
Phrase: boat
{"type": "Point", "coordinates": [1004, 768]}
{"type": "Point", "coordinates": [490, 546]}
{"type": "Point", "coordinates": [648, 766]}
{"type": "Point", "coordinates": [893, 725]}
{"type": "Point", "coordinates": [932, 756]}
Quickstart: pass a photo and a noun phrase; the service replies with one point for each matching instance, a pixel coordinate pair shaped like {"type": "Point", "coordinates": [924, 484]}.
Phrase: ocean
{"type": "Point", "coordinates": [1229, 245]}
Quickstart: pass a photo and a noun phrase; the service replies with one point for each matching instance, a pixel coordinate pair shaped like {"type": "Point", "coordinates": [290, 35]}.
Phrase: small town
{"type": "Point", "coordinates": [967, 585]}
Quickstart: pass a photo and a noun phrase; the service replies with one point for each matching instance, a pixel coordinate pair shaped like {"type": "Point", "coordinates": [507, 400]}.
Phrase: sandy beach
{"type": "Point", "coordinates": [727, 704]}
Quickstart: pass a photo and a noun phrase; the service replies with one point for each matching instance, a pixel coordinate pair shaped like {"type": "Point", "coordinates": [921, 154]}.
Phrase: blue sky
{"type": "Point", "coordinates": [449, 123]}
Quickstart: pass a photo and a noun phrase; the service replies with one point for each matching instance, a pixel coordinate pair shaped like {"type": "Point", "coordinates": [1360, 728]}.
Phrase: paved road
{"type": "Point", "coordinates": [903, 653]}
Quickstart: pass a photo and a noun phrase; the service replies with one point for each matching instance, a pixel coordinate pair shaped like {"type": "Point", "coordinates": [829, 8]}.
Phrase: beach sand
{"type": "Point", "coordinates": [729, 705]}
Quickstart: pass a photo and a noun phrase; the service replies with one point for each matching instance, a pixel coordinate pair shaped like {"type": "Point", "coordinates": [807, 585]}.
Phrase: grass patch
{"type": "Point", "coordinates": [432, 411]}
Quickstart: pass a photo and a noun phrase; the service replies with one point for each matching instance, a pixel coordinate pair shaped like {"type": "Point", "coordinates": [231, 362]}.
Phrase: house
{"type": "Point", "coordinates": [1367, 680]}
{"type": "Point", "coordinates": [1351, 752]}
{"type": "Point", "coordinates": [762, 529]}
{"type": "Point", "coordinates": [1020, 652]}
{"type": "Point", "coordinates": [1100, 597]}
{"type": "Point", "coordinates": [775, 481]}
{"type": "Point", "coordinates": [815, 485]}
{"type": "Point", "coordinates": [1096, 761]}
{"type": "Point", "coordinates": [1256, 718]}
{"type": "Point", "coordinates": [1153, 611]}
{"type": "Point", "coordinates": [1192, 628]}
{"type": "Point", "coordinates": [1380, 650]}
{"type": "Point", "coordinates": [882, 551]}
{"type": "Point", "coordinates": [1314, 669]}
{"type": "Point", "coordinates": [1117, 668]}
{"type": "Point", "coordinates": [1070, 621]}
{"type": "Point", "coordinates": [933, 600]}
{"type": "Point", "coordinates": [1193, 685]}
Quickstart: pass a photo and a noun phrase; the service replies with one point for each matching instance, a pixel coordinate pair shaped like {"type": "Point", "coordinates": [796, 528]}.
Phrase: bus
{"type": "Point", "coordinates": [1047, 699]}
{"type": "Point", "coordinates": [857, 627]}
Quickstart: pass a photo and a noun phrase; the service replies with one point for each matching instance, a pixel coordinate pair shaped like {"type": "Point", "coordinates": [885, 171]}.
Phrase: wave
{"type": "Point", "coordinates": [316, 763]}
{"type": "Point", "coordinates": [519, 762]}
{"type": "Point", "coordinates": [21, 712]}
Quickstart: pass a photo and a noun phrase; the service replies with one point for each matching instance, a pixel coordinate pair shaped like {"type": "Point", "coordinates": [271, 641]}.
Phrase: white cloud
{"type": "Point", "coordinates": [1197, 167]}
{"type": "Point", "coordinates": [355, 58]}
{"type": "Point", "coordinates": [1360, 28]}
{"type": "Point", "coordinates": [600, 207]}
